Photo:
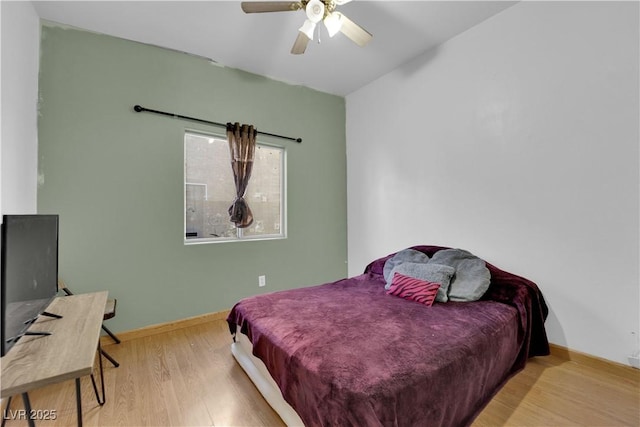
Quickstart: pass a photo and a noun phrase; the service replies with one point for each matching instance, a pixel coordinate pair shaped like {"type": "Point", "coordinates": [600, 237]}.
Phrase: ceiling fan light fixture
{"type": "Point", "coordinates": [308, 28]}
{"type": "Point", "coordinates": [315, 11]}
{"type": "Point", "coordinates": [333, 22]}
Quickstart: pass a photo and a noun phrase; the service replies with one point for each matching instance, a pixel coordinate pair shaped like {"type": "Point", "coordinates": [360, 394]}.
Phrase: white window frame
{"type": "Point", "coordinates": [240, 235]}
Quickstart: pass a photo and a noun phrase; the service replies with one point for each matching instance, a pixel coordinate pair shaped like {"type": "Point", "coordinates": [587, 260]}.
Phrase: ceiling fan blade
{"type": "Point", "coordinates": [270, 6]}
{"type": "Point", "coordinates": [300, 45]}
{"type": "Point", "coordinates": [354, 31]}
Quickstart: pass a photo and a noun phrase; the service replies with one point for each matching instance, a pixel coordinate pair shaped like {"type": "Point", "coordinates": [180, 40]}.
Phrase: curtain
{"type": "Point", "coordinates": [242, 144]}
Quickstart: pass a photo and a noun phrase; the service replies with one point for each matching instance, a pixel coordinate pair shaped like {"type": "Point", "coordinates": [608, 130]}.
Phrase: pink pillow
{"type": "Point", "coordinates": [413, 289]}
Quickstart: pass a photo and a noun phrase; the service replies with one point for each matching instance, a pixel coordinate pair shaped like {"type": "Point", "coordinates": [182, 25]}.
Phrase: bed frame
{"type": "Point", "coordinates": [259, 375]}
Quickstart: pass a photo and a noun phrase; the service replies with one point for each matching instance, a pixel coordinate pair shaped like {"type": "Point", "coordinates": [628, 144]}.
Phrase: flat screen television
{"type": "Point", "coordinates": [29, 259]}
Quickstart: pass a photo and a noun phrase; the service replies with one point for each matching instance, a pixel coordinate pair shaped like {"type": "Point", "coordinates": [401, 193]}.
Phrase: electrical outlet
{"type": "Point", "coordinates": [262, 281]}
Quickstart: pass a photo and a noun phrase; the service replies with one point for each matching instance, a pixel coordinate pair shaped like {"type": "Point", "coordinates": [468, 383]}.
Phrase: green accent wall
{"type": "Point", "coordinates": [115, 176]}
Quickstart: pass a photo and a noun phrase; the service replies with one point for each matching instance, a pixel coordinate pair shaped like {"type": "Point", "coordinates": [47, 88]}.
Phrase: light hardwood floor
{"type": "Point", "coordinates": [188, 377]}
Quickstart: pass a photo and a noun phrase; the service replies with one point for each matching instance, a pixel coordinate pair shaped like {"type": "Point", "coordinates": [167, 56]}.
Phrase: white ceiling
{"type": "Point", "coordinates": [260, 43]}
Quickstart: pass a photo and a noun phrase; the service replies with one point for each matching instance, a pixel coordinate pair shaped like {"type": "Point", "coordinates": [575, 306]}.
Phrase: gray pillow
{"type": "Point", "coordinates": [405, 255]}
{"type": "Point", "coordinates": [472, 277]}
{"type": "Point", "coordinates": [430, 272]}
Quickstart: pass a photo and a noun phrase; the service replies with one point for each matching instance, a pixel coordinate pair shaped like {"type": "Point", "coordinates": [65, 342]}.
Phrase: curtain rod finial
{"type": "Point", "coordinates": [137, 108]}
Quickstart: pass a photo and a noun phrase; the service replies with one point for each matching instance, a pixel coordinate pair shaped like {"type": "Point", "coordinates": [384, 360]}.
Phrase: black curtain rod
{"type": "Point", "coordinates": [140, 109]}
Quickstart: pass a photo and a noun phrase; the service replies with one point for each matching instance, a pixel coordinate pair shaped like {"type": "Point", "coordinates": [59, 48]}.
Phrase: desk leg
{"type": "Point", "coordinates": [27, 407]}
{"type": "Point", "coordinates": [93, 380]}
{"type": "Point", "coordinates": [5, 412]}
{"type": "Point", "coordinates": [79, 402]}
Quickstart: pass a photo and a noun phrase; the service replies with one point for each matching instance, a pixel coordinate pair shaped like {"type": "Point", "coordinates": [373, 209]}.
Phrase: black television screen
{"type": "Point", "coordinates": [29, 259]}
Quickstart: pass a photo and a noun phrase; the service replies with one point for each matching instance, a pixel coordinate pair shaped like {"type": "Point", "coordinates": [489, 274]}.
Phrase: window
{"type": "Point", "coordinates": [209, 190]}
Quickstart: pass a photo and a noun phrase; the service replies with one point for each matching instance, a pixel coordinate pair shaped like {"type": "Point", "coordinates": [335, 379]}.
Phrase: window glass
{"type": "Point", "coordinates": [209, 190]}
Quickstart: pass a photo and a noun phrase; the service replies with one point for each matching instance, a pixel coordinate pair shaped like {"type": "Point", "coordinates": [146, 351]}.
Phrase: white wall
{"type": "Point", "coordinates": [516, 140]}
{"type": "Point", "coordinates": [20, 50]}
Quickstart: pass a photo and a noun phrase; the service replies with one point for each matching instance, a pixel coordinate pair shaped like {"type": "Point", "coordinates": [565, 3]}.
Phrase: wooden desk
{"type": "Point", "coordinates": [68, 353]}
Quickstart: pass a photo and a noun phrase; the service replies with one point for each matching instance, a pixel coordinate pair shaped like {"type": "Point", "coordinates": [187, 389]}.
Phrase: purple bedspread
{"type": "Point", "coordinates": [346, 353]}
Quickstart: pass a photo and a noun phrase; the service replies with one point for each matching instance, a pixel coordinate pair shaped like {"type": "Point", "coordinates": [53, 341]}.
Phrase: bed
{"type": "Point", "coordinates": [348, 353]}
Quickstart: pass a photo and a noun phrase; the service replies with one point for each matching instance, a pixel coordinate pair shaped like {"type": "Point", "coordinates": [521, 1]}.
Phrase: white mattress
{"type": "Point", "coordinates": [257, 371]}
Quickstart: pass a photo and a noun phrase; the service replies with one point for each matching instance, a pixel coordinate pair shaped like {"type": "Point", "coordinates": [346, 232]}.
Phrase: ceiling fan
{"type": "Point", "coordinates": [316, 10]}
